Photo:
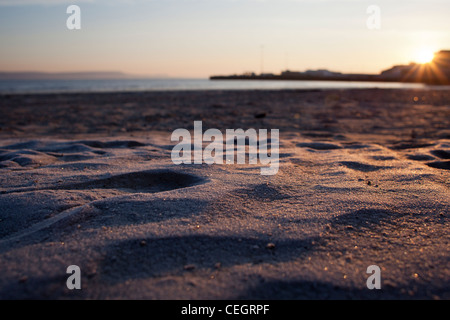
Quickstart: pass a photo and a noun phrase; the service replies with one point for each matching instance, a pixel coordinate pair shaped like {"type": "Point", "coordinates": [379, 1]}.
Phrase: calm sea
{"type": "Point", "coordinates": [68, 86]}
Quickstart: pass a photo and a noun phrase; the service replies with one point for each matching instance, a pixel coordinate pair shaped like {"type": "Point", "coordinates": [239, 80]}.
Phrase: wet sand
{"type": "Point", "coordinates": [87, 180]}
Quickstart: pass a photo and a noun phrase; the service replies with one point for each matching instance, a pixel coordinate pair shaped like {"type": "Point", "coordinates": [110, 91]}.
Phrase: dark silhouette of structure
{"type": "Point", "coordinates": [436, 72]}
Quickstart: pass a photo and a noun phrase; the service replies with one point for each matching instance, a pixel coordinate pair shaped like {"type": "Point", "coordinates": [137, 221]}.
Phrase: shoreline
{"type": "Point", "coordinates": [330, 111]}
{"type": "Point", "coordinates": [188, 85]}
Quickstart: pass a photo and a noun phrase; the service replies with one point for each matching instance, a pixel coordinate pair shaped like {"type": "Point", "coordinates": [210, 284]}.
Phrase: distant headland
{"type": "Point", "coordinates": [85, 75]}
{"type": "Point", "coordinates": [436, 72]}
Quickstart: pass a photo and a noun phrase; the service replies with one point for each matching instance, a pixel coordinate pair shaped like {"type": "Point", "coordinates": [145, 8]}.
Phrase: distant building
{"type": "Point", "coordinates": [442, 60]}
{"type": "Point", "coordinates": [288, 73]}
{"type": "Point", "coordinates": [438, 71]}
{"type": "Point", "coordinates": [399, 71]}
{"type": "Point", "coordinates": [435, 72]}
{"type": "Point", "coordinates": [322, 73]}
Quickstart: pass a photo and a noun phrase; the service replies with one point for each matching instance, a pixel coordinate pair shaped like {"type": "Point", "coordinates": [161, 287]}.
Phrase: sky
{"type": "Point", "coordinates": [199, 38]}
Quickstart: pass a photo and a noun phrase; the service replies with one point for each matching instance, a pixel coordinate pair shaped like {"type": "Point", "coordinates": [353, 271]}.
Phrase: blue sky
{"type": "Point", "coordinates": [197, 38]}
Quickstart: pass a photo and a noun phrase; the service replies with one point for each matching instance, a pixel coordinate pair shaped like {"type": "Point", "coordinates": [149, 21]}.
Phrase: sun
{"type": "Point", "coordinates": [424, 55]}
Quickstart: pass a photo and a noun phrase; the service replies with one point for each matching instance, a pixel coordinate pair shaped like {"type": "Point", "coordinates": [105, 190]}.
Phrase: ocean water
{"type": "Point", "coordinates": [74, 86]}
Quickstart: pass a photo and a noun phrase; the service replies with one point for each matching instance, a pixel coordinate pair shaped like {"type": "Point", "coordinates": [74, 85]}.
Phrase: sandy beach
{"type": "Point", "coordinates": [88, 180]}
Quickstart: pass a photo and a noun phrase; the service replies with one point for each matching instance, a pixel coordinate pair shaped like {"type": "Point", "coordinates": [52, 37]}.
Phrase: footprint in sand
{"type": "Point", "coordinates": [153, 257]}
{"type": "Point", "coordinates": [25, 158]}
{"type": "Point", "coordinates": [138, 182]}
{"type": "Point", "coordinates": [420, 157]}
{"type": "Point", "coordinates": [19, 221]}
{"type": "Point", "coordinates": [319, 146]}
{"type": "Point", "coordinates": [442, 154]}
{"type": "Point", "coordinates": [440, 165]}
{"type": "Point", "coordinates": [113, 144]}
{"type": "Point", "coordinates": [33, 154]}
{"type": "Point", "coordinates": [383, 158]}
{"type": "Point", "coordinates": [437, 153]}
{"type": "Point", "coordinates": [411, 145]}
{"type": "Point", "coordinates": [362, 167]}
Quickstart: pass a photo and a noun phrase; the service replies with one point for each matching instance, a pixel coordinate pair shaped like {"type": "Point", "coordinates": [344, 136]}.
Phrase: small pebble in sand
{"type": "Point", "coordinates": [369, 183]}
{"type": "Point", "coordinates": [218, 265]}
{"type": "Point", "coordinates": [189, 267]}
{"type": "Point", "coordinates": [270, 246]}
{"type": "Point", "coordinates": [143, 243]}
